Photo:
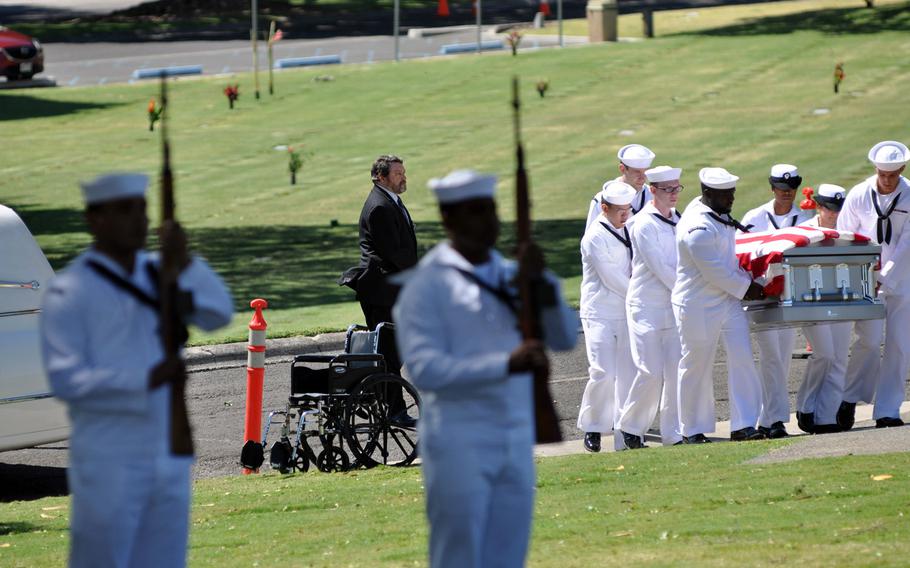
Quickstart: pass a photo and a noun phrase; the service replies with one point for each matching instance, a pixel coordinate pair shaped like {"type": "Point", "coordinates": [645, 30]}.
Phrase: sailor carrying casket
{"type": "Point", "coordinates": [606, 257]}
{"type": "Point", "coordinates": [879, 207]}
{"type": "Point", "coordinates": [634, 159]}
{"type": "Point", "coordinates": [706, 301]}
{"type": "Point", "coordinates": [822, 388]}
{"type": "Point", "coordinates": [652, 327]}
{"type": "Point", "coordinates": [776, 345]}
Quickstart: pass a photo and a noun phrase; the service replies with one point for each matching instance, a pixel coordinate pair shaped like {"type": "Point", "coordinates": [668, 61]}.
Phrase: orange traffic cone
{"type": "Point", "coordinates": [544, 8]}
{"type": "Point", "coordinates": [443, 10]}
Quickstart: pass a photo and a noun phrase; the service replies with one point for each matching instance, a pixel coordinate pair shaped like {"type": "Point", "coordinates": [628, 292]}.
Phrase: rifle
{"type": "Point", "coordinates": [546, 420]}
{"type": "Point", "coordinates": [180, 433]}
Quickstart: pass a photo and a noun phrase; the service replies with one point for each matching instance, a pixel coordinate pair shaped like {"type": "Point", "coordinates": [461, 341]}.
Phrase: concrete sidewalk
{"type": "Point", "coordinates": [863, 439]}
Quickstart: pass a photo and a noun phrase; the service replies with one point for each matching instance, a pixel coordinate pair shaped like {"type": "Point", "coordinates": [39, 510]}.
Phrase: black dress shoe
{"type": "Point", "coordinates": [846, 415]}
{"type": "Point", "coordinates": [696, 439]}
{"type": "Point", "coordinates": [777, 430]}
{"type": "Point", "coordinates": [592, 441]}
{"type": "Point", "coordinates": [806, 421]}
{"type": "Point", "coordinates": [746, 434]}
{"type": "Point", "coordinates": [403, 420]}
{"type": "Point", "coordinates": [888, 422]}
{"type": "Point", "coordinates": [827, 429]}
{"type": "Point", "coordinates": [632, 441]}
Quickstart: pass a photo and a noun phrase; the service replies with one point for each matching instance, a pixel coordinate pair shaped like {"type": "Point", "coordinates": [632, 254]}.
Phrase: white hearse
{"type": "Point", "coordinates": [29, 416]}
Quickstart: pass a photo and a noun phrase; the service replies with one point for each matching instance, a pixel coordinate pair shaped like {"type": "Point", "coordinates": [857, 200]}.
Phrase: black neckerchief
{"type": "Point", "coordinates": [670, 222]}
{"type": "Point", "coordinates": [501, 293]}
{"type": "Point", "coordinates": [184, 300]}
{"type": "Point", "coordinates": [730, 221]}
{"type": "Point", "coordinates": [774, 223]}
{"type": "Point", "coordinates": [883, 226]}
{"type": "Point", "coordinates": [627, 242]}
{"type": "Point", "coordinates": [641, 202]}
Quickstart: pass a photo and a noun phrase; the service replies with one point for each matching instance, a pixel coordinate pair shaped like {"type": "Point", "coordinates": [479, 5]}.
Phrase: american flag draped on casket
{"type": "Point", "coordinates": [761, 253]}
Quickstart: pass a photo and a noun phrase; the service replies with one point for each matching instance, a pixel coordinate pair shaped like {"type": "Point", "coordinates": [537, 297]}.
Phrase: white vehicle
{"type": "Point", "coordinates": [29, 416]}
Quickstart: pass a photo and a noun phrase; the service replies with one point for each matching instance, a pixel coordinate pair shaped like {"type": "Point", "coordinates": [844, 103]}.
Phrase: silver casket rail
{"type": "Point", "coordinates": [825, 282]}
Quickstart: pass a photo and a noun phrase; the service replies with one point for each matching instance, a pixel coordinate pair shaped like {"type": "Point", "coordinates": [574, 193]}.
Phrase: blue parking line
{"type": "Point", "coordinates": [318, 51]}
{"type": "Point", "coordinates": [73, 81]}
{"type": "Point", "coordinates": [227, 69]}
{"type": "Point", "coordinates": [102, 81]}
{"type": "Point", "coordinates": [370, 56]}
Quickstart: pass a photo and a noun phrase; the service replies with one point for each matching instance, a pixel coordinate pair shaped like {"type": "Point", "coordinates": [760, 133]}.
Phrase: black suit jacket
{"type": "Point", "coordinates": [387, 245]}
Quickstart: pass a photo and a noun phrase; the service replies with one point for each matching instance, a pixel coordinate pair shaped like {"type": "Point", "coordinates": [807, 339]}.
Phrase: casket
{"type": "Point", "coordinates": [812, 277]}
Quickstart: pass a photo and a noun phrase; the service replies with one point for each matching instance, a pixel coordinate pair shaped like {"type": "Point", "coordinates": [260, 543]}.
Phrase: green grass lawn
{"type": "Point", "coordinates": [685, 506]}
{"type": "Point", "coordinates": [744, 98]}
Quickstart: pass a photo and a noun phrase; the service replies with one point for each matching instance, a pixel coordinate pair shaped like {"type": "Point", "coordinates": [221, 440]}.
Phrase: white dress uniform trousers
{"type": "Point", "coordinates": [131, 496]}
{"type": "Point", "coordinates": [890, 229]}
{"type": "Point", "coordinates": [652, 328]}
{"type": "Point", "coordinates": [706, 302]}
{"type": "Point", "coordinates": [476, 424]}
{"type": "Point", "coordinates": [606, 268]}
{"type": "Point", "coordinates": [775, 346]}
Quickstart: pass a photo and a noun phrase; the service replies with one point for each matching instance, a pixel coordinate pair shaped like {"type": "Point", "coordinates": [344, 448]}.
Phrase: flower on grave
{"type": "Point", "coordinates": [154, 113]}
{"type": "Point", "coordinates": [232, 92]}
{"type": "Point", "coordinates": [808, 202]}
{"type": "Point", "coordinates": [838, 76]}
{"type": "Point", "coordinates": [295, 162]}
{"type": "Point", "coordinates": [542, 87]}
{"type": "Point", "coordinates": [513, 38]}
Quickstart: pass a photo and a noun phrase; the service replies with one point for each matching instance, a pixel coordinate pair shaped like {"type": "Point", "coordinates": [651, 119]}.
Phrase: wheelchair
{"type": "Point", "coordinates": [348, 410]}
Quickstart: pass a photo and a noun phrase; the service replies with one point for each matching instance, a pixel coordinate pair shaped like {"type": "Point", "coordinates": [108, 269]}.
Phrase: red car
{"type": "Point", "coordinates": [20, 56]}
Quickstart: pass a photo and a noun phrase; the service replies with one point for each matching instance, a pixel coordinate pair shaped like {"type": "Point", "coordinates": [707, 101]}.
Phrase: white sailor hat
{"type": "Point", "coordinates": [663, 173]}
{"type": "Point", "coordinates": [635, 156]}
{"type": "Point", "coordinates": [889, 155]}
{"type": "Point", "coordinates": [831, 196]}
{"type": "Point", "coordinates": [618, 193]}
{"type": "Point", "coordinates": [462, 185]}
{"type": "Point", "coordinates": [717, 178]}
{"type": "Point", "coordinates": [785, 176]}
{"type": "Point", "coordinates": [114, 186]}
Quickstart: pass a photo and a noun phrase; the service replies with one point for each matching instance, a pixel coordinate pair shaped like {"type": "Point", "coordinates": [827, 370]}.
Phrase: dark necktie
{"type": "Point", "coordinates": [774, 223]}
{"type": "Point", "coordinates": [883, 226]}
{"type": "Point", "coordinates": [404, 210]}
{"type": "Point", "coordinates": [627, 242]}
{"type": "Point", "coordinates": [729, 221]}
{"type": "Point", "coordinates": [670, 222]}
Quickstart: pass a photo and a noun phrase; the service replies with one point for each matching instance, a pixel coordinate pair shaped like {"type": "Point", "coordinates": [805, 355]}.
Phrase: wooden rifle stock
{"type": "Point", "coordinates": [180, 433]}
{"type": "Point", "coordinates": [546, 420]}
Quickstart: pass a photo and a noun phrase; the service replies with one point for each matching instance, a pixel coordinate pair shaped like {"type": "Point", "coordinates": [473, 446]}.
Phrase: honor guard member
{"type": "Point", "coordinates": [634, 159]}
{"type": "Point", "coordinates": [606, 261]}
{"type": "Point", "coordinates": [459, 338]}
{"type": "Point", "coordinates": [879, 208]}
{"type": "Point", "coordinates": [822, 389]}
{"type": "Point", "coordinates": [652, 327]}
{"type": "Point", "coordinates": [775, 346]}
{"type": "Point", "coordinates": [706, 302]}
{"type": "Point", "coordinates": [104, 358]}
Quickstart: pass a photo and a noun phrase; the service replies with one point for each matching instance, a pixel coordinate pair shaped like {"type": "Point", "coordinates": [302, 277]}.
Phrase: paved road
{"type": "Point", "coordinates": [217, 397]}
{"type": "Point", "coordinates": [77, 64]}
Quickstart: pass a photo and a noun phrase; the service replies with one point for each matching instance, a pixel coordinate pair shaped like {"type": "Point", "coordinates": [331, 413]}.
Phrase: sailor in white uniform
{"type": "Point", "coordinates": [652, 326]}
{"type": "Point", "coordinates": [606, 261]}
{"type": "Point", "coordinates": [706, 301]}
{"type": "Point", "coordinates": [776, 346]}
{"type": "Point", "coordinates": [457, 332]}
{"type": "Point", "coordinates": [99, 325]}
{"type": "Point", "coordinates": [822, 390]}
{"type": "Point", "coordinates": [879, 208]}
{"type": "Point", "coordinates": [634, 159]}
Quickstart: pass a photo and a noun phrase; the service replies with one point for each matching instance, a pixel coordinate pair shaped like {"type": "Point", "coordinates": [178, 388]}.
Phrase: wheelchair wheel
{"type": "Point", "coordinates": [382, 419]}
{"type": "Point", "coordinates": [333, 458]}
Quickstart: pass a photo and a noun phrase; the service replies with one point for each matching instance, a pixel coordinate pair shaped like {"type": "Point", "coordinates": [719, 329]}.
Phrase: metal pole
{"type": "Point", "coordinates": [254, 33]}
{"type": "Point", "coordinates": [395, 28]}
{"type": "Point", "coordinates": [478, 26]}
{"type": "Point", "coordinates": [559, 17]}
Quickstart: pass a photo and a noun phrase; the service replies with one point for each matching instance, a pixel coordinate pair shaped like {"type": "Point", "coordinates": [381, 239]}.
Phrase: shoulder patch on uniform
{"type": "Point", "coordinates": [698, 228]}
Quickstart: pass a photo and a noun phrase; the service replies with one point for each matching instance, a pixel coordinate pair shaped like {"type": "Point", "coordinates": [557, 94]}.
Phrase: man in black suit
{"type": "Point", "coordinates": [387, 240]}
